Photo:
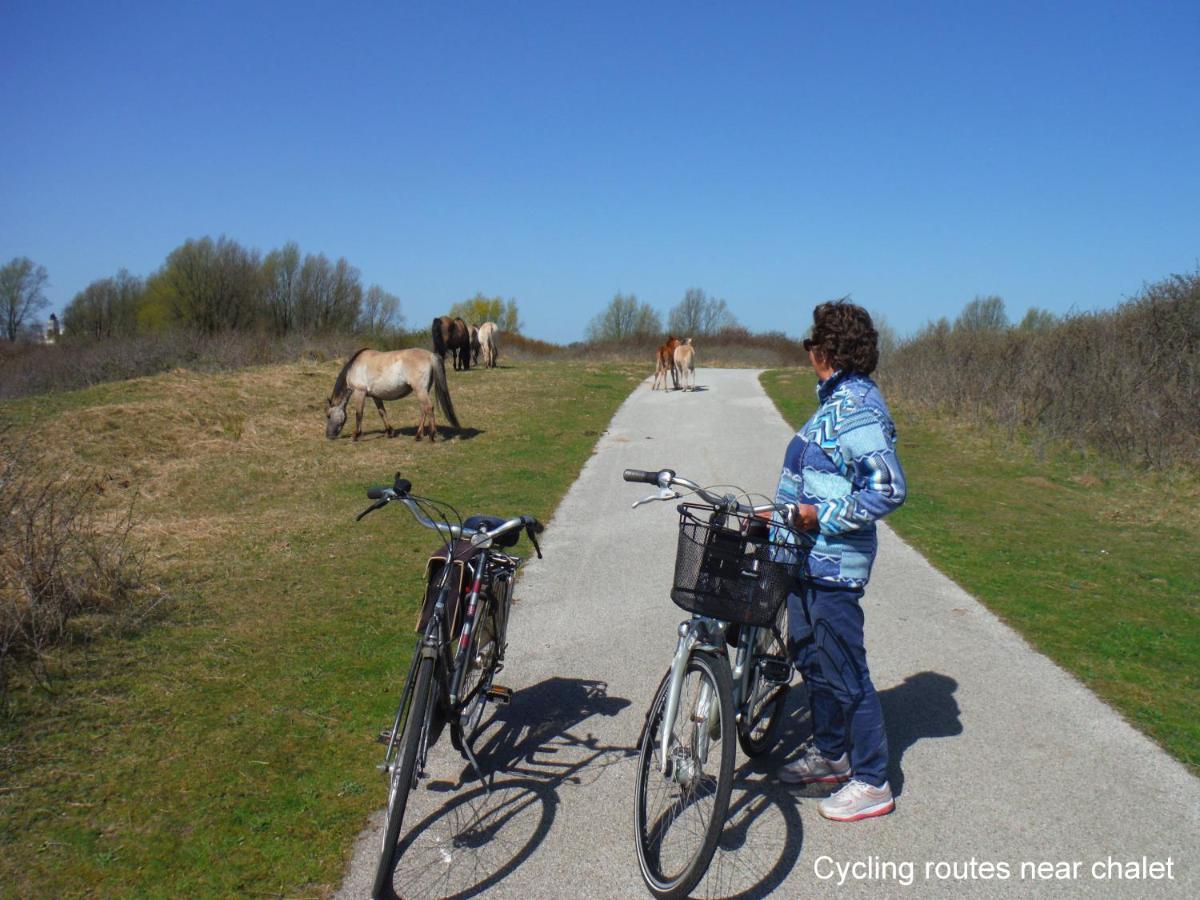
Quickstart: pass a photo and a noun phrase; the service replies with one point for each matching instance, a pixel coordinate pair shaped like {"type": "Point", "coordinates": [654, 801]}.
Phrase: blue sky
{"type": "Point", "coordinates": [774, 154]}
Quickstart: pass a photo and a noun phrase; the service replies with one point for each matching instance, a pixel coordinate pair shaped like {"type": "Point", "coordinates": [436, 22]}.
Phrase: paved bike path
{"type": "Point", "coordinates": [1001, 761]}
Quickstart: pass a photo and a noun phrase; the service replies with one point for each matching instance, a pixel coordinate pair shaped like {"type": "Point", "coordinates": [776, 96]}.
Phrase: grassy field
{"type": "Point", "coordinates": [1094, 564]}
{"type": "Point", "coordinates": [226, 749]}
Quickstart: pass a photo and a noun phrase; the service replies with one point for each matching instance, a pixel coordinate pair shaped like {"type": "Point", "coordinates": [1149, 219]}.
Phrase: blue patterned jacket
{"type": "Point", "coordinates": [843, 461]}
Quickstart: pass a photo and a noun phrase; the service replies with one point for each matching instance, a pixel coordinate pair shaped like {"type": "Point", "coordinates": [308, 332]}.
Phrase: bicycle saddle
{"type": "Point", "coordinates": [487, 523]}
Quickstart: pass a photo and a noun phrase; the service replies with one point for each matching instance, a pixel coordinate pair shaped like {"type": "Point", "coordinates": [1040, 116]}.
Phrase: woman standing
{"type": "Point", "coordinates": [841, 474]}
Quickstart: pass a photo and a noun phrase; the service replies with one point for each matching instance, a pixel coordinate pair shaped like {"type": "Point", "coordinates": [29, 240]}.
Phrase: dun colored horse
{"type": "Point", "coordinates": [474, 345]}
{"type": "Point", "coordinates": [453, 335]}
{"type": "Point", "coordinates": [685, 363]}
{"type": "Point", "coordinates": [389, 376]}
{"type": "Point", "coordinates": [666, 363]}
{"type": "Point", "coordinates": [488, 345]}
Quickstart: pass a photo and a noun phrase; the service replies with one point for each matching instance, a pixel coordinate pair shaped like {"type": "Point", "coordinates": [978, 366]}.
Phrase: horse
{"type": "Point", "coordinates": [665, 361]}
{"type": "Point", "coordinates": [488, 332]}
{"type": "Point", "coordinates": [453, 335]}
{"type": "Point", "coordinates": [389, 375]}
{"type": "Point", "coordinates": [685, 363]}
{"type": "Point", "coordinates": [474, 345]}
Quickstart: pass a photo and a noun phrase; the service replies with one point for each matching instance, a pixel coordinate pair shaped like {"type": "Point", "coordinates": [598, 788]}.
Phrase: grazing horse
{"type": "Point", "coordinates": [474, 345]}
{"type": "Point", "coordinates": [453, 335]}
{"type": "Point", "coordinates": [389, 376]}
{"type": "Point", "coordinates": [685, 363]}
{"type": "Point", "coordinates": [490, 348]}
{"type": "Point", "coordinates": [666, 363]}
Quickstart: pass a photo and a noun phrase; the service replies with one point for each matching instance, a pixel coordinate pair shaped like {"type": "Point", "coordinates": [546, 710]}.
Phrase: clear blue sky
{"type": "Point", "coordinates": [775, 154]}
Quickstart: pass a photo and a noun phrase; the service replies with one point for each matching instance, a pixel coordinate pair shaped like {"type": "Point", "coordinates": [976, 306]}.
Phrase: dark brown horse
{"type": "Point", "coordinates": [453, 335]}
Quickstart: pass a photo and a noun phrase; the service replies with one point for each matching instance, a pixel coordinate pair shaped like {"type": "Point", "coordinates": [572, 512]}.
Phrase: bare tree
{"type": "Point", "coordinates": [210, 285]}
{"type": "Point", "coordinates": [281, 286]}
{"type": "Point", "coordinates": [21, 284]}
{"type": "Point", "coordinates": [380, 311]}
{"type": "Point", "coordinates": [106, 308]}
{"type": "Point", "coordinates": [887, 340]}
{"type": "Point", "coordinates": [624, 317]}
{"type": "Point", "coordinates": [697, 313]}
{"type": "Point", "coordinates": [1037, 320]}
{"type": "Point", "coordinates": [982, 314]}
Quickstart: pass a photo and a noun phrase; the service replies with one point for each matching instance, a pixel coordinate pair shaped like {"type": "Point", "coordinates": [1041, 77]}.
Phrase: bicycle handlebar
{"type": "Point", "coordinates": [667, 479]}
{"type": "Point", "coordinates": [400, 491]}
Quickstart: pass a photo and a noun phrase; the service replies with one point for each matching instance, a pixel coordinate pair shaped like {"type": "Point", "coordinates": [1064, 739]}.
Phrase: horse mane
{"type": "Point", "coordinates": [339, 386]}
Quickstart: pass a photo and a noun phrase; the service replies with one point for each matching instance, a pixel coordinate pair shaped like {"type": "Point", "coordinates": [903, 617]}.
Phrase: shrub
{"type": "Point", "coordinates": [1125, 382]}
{"type": "Point", "coordinates": [59, 559]}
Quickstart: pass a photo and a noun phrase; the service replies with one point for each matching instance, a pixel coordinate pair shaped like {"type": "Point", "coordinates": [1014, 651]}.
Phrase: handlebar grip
{"type": "Point", "coordinates": [533, 524]}
{"type": "Point", "coordinates": [640, 475]}
{"type": "Point", "coordinates": [375, 493]}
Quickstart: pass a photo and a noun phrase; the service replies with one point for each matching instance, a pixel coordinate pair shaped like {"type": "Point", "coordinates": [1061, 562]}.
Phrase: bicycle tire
{"type": "Point", "coordinates": [415, 724]}
{"type": "Point", "coordinates": [759, 728]}
{"type": "Point", "coordinates": [654, 828]}
{"type": "Point", "coordinates": [478, 676]}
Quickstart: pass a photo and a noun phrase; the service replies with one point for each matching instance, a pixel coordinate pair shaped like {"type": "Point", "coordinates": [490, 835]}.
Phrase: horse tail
{"type": "Point", "coordinates": [439, 343]}
{"type": "Point", "coordinates": [443, 391]}
{"type": "Point", "coordinates": [339, 386]}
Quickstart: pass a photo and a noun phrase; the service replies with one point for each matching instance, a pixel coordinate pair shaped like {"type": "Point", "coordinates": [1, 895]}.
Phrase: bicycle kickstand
{"type": "Point", "coordinates": [470, 755]}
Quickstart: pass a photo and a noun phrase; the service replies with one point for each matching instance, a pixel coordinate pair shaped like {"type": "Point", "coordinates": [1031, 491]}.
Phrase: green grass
{"type": "Point", "coordinates": [1093, 563]}
{"type": "Point", "coordinates": [227, 749]}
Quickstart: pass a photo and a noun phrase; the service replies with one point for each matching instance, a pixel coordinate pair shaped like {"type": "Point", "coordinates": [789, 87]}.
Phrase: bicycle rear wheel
{"type": "Point", "coordinates": [416, 729]}
{"type": "Point", "coordinates": [763, 709]}
{"type": "Point", "coordinates": [678, 816]}
{"type": "Point", "coordinates": [479, 666]}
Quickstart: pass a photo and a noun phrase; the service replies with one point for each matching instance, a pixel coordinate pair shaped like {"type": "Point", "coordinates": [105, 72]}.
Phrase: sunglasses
{"type": "Point", "coordinates": [808, 343]}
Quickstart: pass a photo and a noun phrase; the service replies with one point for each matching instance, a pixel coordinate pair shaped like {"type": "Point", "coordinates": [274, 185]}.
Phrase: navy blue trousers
{"type": "Point", "coordinates": [826, 628]}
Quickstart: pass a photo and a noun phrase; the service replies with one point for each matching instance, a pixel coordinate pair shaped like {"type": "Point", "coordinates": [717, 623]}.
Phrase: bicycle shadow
{"type": "Point", "coordinates": [476, 838]}
{"type": "Point", "coordinates": [763, 835]}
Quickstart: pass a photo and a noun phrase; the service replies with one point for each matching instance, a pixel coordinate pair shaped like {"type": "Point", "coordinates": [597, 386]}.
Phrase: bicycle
{"type": "Point", "coordinates": [461, 648]}
{"type": "Point", "coordinates": [733, 571]}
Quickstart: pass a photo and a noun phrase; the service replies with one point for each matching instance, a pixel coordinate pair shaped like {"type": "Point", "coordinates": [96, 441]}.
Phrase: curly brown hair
{"type": "Point", "coordinates": [844, 332]}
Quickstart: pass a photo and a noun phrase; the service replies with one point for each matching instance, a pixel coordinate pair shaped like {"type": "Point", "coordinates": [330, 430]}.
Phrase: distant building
{"type": "Point", "coordinates": [44, 332]}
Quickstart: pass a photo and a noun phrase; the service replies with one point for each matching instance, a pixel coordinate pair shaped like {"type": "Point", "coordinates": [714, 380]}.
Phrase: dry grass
{"type": "Point", "coordinates": [220, 743]}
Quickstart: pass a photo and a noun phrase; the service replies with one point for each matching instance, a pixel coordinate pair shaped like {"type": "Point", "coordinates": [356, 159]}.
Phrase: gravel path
{"type": "Point", "coordinates": [1001, 761]}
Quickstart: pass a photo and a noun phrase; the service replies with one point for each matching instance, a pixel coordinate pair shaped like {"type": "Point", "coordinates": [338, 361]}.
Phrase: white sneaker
{"type": "Point", "coordinates": [816, 768]}
{"type": "Point", "coordinates": [857, 800]}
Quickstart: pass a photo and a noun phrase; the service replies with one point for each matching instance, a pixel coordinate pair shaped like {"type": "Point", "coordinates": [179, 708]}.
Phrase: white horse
{"type": "Point", "coordinates": [488, 346]}
{"type": "Point", "coordinates": [389, 375]}
{"type": "Point", "coordinates": [685, 364]}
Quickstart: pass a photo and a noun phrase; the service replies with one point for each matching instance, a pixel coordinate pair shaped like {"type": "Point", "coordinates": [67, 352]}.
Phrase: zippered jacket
{"type": "Point", "coordinates": [843, 462]}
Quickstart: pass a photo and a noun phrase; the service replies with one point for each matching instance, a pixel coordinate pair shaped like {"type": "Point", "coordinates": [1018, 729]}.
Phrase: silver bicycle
{"type": "Point", "coordinates": [730, 676]}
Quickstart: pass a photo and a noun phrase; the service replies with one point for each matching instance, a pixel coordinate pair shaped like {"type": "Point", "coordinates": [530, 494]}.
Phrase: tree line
{"type": "Point", "coordinates": [211, 286]}
{"type": "Point", "coordinates": [697, 314]}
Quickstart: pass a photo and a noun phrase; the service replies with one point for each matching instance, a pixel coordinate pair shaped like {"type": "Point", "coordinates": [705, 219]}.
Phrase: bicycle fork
{"type": "Point", "coordinates": [706, 715]}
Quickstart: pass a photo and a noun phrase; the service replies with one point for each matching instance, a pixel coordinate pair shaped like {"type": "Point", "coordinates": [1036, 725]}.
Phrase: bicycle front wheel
{"type": "Point", "coordinates": [416, 729]}
{"type": "Point", "coordinates": [680, 807]}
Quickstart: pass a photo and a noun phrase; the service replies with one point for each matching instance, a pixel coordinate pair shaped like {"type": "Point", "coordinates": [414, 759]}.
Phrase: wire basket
{"type": "Point", "coordinates": [727, 566]}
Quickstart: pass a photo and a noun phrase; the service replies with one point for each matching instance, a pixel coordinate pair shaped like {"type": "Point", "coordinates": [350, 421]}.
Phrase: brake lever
{"type": "Point", "coordinates": [663, 494]}
{"type": "Point", "coordinates": [378, 504]}
{"type": "Point", "coordinates": [533, 540]}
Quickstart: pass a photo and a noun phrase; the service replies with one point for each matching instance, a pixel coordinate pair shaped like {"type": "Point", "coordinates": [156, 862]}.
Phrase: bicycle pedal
{"type": "Point", "coordinates": [499, 695]}
{"type": "Point", "coordinates": [777, 671]}
{"type": "Point", "coordinates": [384, 737]}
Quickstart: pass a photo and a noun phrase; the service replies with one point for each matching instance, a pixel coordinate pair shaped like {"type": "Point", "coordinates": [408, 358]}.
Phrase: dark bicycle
{"type": "Point", "coordinates": [463, 627]}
